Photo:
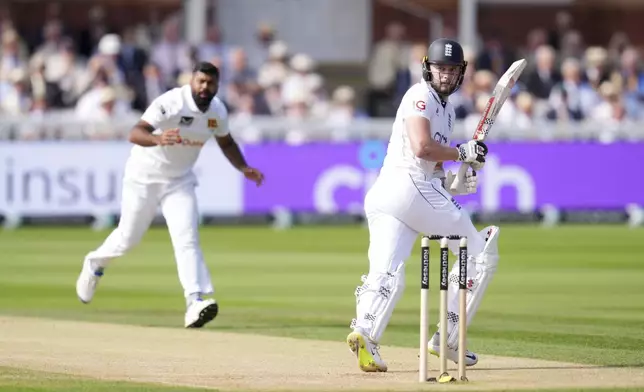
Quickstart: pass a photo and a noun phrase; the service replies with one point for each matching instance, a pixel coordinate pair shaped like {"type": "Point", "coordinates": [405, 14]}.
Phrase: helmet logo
{"type": "Point", "coordinates": [448, 50]}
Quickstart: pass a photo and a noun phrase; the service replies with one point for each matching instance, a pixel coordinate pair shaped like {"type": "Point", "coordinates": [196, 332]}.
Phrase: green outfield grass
{"type": "Point", "coordinates": [570, 293]}
{"type": "Point", "coordinates": [19, 380]}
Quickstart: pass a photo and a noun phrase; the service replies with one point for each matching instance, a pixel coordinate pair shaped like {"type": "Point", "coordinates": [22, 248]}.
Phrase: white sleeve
{"type": "Point", "coordinates": [158, 112]}
{"type": "Point", "coordinates": [418, 102]}
{"type": "Point", "coordinates": [222, 122]}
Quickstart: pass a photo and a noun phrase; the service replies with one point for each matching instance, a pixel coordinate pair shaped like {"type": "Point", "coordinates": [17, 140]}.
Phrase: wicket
{"type": "Point", "coordinates": [424, 307]}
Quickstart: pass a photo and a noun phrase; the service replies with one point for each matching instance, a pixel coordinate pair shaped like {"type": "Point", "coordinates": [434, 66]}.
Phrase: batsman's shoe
{"type": "Point", "coordinates": [434, 348]}
{"type": "Point", "coordinates": [367, 353]}
{"type": "Point", "coordinates": [201, 312]}
{"type": "Point", "coordinates": [87, 282]}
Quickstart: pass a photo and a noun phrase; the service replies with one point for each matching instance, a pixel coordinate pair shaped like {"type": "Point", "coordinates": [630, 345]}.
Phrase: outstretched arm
{"type": "Point", "coordinates": [231, 151]}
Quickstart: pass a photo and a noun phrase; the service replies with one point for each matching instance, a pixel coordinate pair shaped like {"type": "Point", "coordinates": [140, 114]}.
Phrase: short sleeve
{"type": "Point", "coordinates": [222, 122]}
{"type": "Point", "coordinates": [418, 102]}
{"type": "Point", "coordinates": [158, 112]}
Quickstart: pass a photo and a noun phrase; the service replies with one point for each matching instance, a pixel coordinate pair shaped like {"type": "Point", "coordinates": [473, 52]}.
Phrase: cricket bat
{"type": "Point", "coordinates": [495, 102]}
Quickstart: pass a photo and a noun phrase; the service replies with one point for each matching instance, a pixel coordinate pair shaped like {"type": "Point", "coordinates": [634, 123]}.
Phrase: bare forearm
{"type": "Point", "coordinates": [143, 137]}
{"type": "Point", "coordinates": [437, 153]}
{"type": "Point", "coordinates": [234, 155]}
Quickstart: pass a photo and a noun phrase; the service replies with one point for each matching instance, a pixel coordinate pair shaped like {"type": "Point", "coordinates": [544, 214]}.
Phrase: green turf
{"type": "Point", "coordinates": [574, 293]}
{"type": "Point", "coordinates": [20, 380]}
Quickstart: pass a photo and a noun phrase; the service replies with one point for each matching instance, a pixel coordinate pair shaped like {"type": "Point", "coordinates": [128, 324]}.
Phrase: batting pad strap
{"type": "Point", "coordinates": [376, 300]}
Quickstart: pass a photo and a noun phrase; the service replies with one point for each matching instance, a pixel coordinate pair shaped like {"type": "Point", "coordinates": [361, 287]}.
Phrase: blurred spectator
{"type": "Point", "coordinates": [524, 114]}
{"type": "Point", "coordinates": [572, 45]}
{"type": "Point", "coordinates": [630, 80]}
{"type": "Point", "coordinates": [171, 54]}
{"type": "Point", "coordinates": [239, 77]}
{"type": "Point", "coordinates": [153, 85]}
{"type": "Point", "coordinates": [572, 98]}
{"type": "Point", "coordinates": [494, 56]}
{"type": "Point", "coordinates": [463, 98]}
{"type": "Point", "coordinates": [612, 109]}
{"type": "Point", "coordinates": [540, 80]}
{"type": "Point", "coordinates": [412, 73]}
{"type": "Point", "coordinates": [15, 95]}
{"type": "Point", "coordinates": [597, 66]}
{"type": "Point", "coordinates": [320, 104]}
{"type": "Point", "coordinates": [274, 70]}
{"type": "Point", "coordinates": [563, 24]}
{"type": "Point", "coordinates": [259, 52]}
{"type": "Point", "coordinates": [43, 88]}
{"type": "Point", "coordinates": [53, 38]}
{"type": "Point", "coordinates": [299, 82]}
{"type": "Point", "coordinates": [619, 41]}
{"type": "Point", "coordinates": [91, 104]}
{"type": "Point", "coordinates": [132, 60]}
{"type": "Point", "coordinates": [383, 65]}
{"type": "Point", "coordinates": [213, 46]}
{"type": "Point", "coordinates": [11, 56]}
{"type": "Point", "coordinates": [343, 108]}
{"type": "Point", "coordinates": [272, 95]}
{"type": "Point", "coordinates": [104, 77]}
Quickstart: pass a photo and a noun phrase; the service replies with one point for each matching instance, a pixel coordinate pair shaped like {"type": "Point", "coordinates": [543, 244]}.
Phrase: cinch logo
{"type": "Point", "coordinates": [343, 187]}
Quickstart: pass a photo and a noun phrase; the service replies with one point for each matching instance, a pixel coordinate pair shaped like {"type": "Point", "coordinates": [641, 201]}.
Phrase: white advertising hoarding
{"type": "Point", "coordinates": [78, 178]}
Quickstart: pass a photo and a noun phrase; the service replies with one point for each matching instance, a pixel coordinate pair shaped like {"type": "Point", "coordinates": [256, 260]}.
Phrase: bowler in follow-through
{"type": "Point", "coordinates": [159, 172]}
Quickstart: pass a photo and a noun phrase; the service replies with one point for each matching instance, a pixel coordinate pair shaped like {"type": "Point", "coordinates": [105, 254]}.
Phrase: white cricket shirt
{"type": "Point", "coordinates": [419, 100]}
{"type": "Point", "coordinates": [176, 109]}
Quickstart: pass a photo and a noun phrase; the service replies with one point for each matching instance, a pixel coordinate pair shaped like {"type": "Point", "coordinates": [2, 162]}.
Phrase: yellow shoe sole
{"type": "Point", "coordinates": [365, 359]}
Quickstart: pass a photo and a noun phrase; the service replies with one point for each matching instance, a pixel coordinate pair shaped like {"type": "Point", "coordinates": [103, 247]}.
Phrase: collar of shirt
{"type": "Point", "coordinates": [434, 93]}
{"type": "Point", "coordinates": [186, 91]}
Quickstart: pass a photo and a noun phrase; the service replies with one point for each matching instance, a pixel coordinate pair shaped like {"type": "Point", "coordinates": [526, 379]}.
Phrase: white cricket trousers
{"type": "Point", "coordinates": [400, 206]}
{"type": "Point", "coordinates": [178, 202]}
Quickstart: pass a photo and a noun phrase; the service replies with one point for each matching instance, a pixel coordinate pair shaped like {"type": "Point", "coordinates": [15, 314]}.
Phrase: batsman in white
{"type": "Point", "coordinates": [159, 172]}
{"type": "Point", "coordinates": [411, 197]}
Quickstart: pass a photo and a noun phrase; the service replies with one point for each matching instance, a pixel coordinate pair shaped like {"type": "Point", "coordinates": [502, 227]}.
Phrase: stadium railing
{"type": "Point", "coordinates": [63, 126]}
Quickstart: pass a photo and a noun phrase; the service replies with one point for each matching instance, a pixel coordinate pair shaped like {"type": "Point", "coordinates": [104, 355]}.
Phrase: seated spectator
{"type": "Point", "coordinates": [412, 73]}
{"type": "Point", "coordinates": [300, 80]}
{"type": "Point", "coordinates": [15, 99]}
{"type": "Point", "coordinates": [343, 110]}
{"type": "Point", "coordinates": [320, 104]}
{"type": "Point", "coordinates": [631, 80]}
{"type": "Point", "coordinates": [540, 80]}
{"type": "Point", "coordinates": [11, 57]}
{"type": "Point", "coordinates": [274, 70]}
{"type": "Point", "coordinates": [597, 70]}
{"type": "Point", "coordinates": [572, 98]}
{"type": "Point", "coordinates": [213, 46]}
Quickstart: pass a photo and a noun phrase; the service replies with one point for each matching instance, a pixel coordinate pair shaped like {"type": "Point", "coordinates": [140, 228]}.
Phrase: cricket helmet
{"type": "Point", "coordinates": [448, 52]}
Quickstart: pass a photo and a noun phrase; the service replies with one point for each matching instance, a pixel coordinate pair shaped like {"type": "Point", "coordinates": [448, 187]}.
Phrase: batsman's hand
{"type": "Point", "coordinates": [472, 152]}
{"type": "Point", "coordinates": [170, 137]}
{"type": "Point", "coordinates": [461, 185]}
{"type": "Point", "coordinates": [254, 175]}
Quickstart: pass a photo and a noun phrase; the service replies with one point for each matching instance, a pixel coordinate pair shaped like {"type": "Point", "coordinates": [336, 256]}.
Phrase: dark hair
{"type": "Point", "coordinates": [206, 68]}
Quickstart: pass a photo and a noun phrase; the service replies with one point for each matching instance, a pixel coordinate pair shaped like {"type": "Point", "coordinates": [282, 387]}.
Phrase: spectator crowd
{"type": "Point", "coordinates": [107, 78]}
{"type": "Point", "coordinates": [566, 81]}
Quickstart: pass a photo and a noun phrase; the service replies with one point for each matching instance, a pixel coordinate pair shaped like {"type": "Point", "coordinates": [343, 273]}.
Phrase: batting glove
{"type": "Point", "coordinates": [465, 185]}
{"type": "Point", "coordinates": [472, 151]}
